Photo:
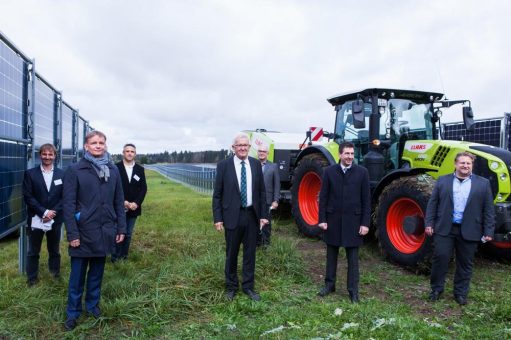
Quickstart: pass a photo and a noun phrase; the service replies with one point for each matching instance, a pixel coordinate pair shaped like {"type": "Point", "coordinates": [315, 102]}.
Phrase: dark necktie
{"type": "Point", "coordinates": [243, 186]}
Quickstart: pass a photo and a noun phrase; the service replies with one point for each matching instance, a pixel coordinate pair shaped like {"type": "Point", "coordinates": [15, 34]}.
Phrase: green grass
{"type": "Point", "coordinates": [172, 287]}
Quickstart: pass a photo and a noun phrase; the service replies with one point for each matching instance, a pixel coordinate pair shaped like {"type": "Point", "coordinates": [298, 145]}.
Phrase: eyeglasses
{"type": "Point", "coordinates": [262, 151]}
{"type": "Point", "coordinates": [241, 145]}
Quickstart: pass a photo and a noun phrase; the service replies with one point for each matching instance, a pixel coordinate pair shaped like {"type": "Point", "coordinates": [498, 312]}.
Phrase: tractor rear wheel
{"type": "Point", "coordinates": [305, 193]}
{"type": "Point", "coordinates": [500, 251]}
{"type": "Point", "coordinates": [400, 221]}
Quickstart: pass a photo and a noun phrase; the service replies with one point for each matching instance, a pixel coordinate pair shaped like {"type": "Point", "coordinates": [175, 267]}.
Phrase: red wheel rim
{"type": "Point", "coordinates": [403, 242]}
{"type": "Point", "coordinates": [502, 245]}
{"type": "Point", "coordinates": [308, 197]}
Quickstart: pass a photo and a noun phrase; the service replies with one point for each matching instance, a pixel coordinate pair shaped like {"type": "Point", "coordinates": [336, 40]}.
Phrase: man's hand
{"type": "Point", "coordinates": [219, 226]}
{"type": "Point", "coordinates": [323, 226]}
{"type": "Point", "coordinates": [363, 230]}
{"type": "Point", "coordinates": [126, 205]}
{"type": "Point", "coordinates": [74, 243]}
{"type": "Point", "coordinates": [263, 222]}
{"type": "Point", "coordinates": [133, 206]}
{"type": "Point", "coordinates": [274, 205]}
{"type": "Point", "coordinates": [429, 231]}
{"type": "Point", "coordinates": [119, 238]}
{"type": "Point", "coordinates": [51, 214]}
{"type": "Point", "coordinates": [488, 238]}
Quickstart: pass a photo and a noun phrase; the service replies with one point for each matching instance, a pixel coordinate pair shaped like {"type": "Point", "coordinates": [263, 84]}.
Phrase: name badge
{"type": "Point", "coordinates": [135, 176]}
{"type": "Point", "coordinates": [57, 182]}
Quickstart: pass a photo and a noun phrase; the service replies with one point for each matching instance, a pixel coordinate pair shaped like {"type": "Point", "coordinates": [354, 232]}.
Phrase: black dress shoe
{"type": "Point", "coordinates": [354, 297]}
{"type": "Point", "coordinates": [253, 295]}
{"type": "Point", "coordinates": [96, 312]}
{"type": "Point", "coordinates": [460, 299]}
{"type": "Point", "coordinates": [32, 282]}
{"type": "Point", "coordinates": [70, 324]}
{"type": "Point", "coordinates": [434, 295]}
{"type": "Point", "coordinates": [229, 294]}
{"type": "Point", "coordinates": [326, 290]}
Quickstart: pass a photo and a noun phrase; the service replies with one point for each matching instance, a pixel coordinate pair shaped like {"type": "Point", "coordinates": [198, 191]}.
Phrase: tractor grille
{"type": "Point", "coordinates": [440, 155]}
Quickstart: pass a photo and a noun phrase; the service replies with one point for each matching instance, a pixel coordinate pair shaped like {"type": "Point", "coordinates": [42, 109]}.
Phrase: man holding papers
{"type": "Point", "coordinates": [42, 191]}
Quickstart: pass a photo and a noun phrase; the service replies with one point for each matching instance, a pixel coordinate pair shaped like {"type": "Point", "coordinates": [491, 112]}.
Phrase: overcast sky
{"type": "Point", "coordinates": [187, 75]}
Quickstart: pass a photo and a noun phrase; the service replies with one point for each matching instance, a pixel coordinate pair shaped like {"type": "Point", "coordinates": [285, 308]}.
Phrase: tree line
{"type": "Point", "coordinates": [179, 157]}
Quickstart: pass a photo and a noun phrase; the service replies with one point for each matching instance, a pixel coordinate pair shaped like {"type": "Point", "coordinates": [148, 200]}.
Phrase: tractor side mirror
{"type": "Point", "coordinates": [468, 118]}
{"type": "Point", "coordinates": [357, 108]}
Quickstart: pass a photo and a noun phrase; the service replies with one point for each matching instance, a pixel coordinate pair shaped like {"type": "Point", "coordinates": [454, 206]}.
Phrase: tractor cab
{"type": "Point", "coordinates": [380, 121]}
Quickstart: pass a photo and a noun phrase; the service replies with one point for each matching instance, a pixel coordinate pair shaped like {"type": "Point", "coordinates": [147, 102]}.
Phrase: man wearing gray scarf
{"type": "Point", "coordinates": [93, 209]}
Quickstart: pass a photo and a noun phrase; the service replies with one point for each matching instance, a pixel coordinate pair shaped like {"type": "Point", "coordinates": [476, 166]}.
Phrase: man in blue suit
{"type": "Point", "coordinates": [93, 208]}
{"type": "Point", "coordinates": [239, 208]}
{"type": "Point", "coordinates": [42, 191]}
{"type": "Point", "coordinates": [460, 213]}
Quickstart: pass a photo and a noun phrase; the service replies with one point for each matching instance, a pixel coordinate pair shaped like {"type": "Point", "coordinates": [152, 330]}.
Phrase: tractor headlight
{"type": "Point", "coordinates": [494, 165]}
{"type": "Point", "coordinates": [503, 177]}
{"type": "Point", "coordinates": [499, 197]}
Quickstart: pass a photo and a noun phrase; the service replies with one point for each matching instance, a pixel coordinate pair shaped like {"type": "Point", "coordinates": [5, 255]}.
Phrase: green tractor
{"type": "Point", "coordinates": [397, 137]}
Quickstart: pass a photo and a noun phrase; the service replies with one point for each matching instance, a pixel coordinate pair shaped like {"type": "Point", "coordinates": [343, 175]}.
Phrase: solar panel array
{"type": "Point", "coordinates": [487, 131]}
{"type": "Point", "coordinates": [30, 112]}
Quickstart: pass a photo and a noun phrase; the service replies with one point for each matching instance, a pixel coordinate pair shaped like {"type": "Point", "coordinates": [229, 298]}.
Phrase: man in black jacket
{"type": "Point", "coordinates": [42, 191]}
{"type": "Point", "coordinates": [344, 215]}
{"type": "Point", "coordinates": [135, 188]}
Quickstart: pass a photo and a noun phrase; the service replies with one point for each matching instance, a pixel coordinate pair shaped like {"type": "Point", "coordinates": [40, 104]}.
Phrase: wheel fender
{"type": "Point", "coordinates": [390, 177]}
{"type": "Point", "coordinates": [316, 149]}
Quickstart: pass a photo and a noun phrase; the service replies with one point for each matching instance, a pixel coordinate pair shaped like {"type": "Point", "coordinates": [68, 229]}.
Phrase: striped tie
{"type": "Point", "coordinates": [243, 186]}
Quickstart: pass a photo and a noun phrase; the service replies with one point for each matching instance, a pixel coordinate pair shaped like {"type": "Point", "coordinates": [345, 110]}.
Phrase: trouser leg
{"type": "Point", "coordinates": [465, 252]}
{"type": "Point", "coordinates": [122, 249]}
{"type": "Point", "coordinates": [53, 245]}
{"type": "Point", "coordinates": [94, 279]}
{"type": "Point", "coordinates": [249, 250]}
{"type": "Point", "coordinates": [442, 253]}
{"type": "Point", "coordinates": [232, 248]}
{"type": "Point", "coordinates": [35, 238]}
{"type": "Point", "coordinates": [332, 253]}
{"type": "Point", "coordinates": [76, 284]}
{"type": "Point", "coordinates": [353, 271]}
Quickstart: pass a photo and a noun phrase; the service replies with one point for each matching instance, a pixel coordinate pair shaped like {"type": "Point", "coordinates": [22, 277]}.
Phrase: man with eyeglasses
{"type": "Point", "coordinates": [272, 185]}
{"type": "Point", "coordinates": [239, 209]}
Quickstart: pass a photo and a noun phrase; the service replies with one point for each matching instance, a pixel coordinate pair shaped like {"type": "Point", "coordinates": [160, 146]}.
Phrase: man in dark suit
{"type": "Point", "coordinates": [93, 208]}
{"type": "Point", "coordinates": [239, 208]}
{"type": "Point", "coordinates": [460, 213]}
{"type": "Point", "coordinates": [344, 215]}
{"type": "Point", "coordinates": [272, 185]}
{"type": "Point", "coordinates": [135, 188]}
{"type": "Point", "coordinates": [42, 191]}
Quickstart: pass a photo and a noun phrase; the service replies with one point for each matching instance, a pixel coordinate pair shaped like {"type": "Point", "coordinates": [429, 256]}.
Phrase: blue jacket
{"type": "Point", "coordinates": [101, 208]}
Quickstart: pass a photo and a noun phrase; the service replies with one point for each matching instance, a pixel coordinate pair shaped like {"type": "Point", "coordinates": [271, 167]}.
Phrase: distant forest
{"type": "Point", "coordinates": [179, 157]}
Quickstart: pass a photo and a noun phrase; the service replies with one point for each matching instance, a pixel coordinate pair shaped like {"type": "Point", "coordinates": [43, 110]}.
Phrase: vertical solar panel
{"type": "Point", "coordinates": [68, 133]}
{"type": "Point", "coordinates": [44, 114]}
{"type": "Point", "coordinates": [13, 120]}
{"type": "Point", "coordinates": [486, 131]}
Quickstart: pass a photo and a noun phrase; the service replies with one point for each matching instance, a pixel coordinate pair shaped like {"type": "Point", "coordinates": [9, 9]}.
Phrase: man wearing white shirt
{"type": "Point", "coordinates": [135, 188]}
{"type": "Point", "coordinates": [42, 191]}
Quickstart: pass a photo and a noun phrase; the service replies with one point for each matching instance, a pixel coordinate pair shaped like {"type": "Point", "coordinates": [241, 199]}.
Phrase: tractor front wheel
{"type": "Point", "coordinates": [305, 194]}
{"type": "Point", "coordinates": [400, 221]}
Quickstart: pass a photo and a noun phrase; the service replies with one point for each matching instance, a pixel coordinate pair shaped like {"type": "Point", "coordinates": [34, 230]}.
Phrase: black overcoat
{"type": "Point", "coordinates": [345, 204]}
{"type": "Point", "coordinates": [101, 207]}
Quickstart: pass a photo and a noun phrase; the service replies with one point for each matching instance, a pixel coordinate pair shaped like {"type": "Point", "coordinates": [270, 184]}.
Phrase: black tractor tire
{"type": "Point", "coordinates": [405, 200]}
{"type": "Point", "coordinates": [496, 251]}
{"type": "Point", "coordinates": [305, 194]}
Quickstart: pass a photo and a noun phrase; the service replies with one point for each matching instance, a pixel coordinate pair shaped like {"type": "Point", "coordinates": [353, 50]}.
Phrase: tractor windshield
{"type": "Point", "coordinates": [400, 120]}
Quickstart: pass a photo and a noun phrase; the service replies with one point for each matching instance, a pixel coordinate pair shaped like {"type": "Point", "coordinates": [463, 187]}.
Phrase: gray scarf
{"type": "Point", "coordinates": [100, 164]}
